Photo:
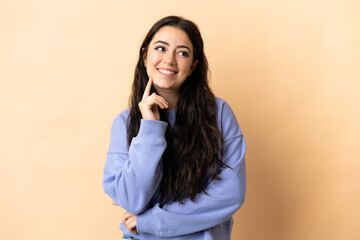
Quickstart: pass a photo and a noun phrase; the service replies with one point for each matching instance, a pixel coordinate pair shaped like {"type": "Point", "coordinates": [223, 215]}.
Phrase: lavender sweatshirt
{"type": "Point", "coordinates": [132, 177]}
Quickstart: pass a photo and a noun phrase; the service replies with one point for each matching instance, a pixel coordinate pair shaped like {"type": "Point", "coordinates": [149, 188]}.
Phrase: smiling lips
{"type": "Point", "coordinates": [166, 71]}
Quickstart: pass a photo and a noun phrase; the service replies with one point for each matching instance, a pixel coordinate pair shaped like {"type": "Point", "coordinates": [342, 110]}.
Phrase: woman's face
{"type": "Point", "coordinates": [169, 59]}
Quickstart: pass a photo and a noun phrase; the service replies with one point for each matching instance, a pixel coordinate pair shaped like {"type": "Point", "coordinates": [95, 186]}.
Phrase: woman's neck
{"type": "Point", "coordinates": [170, 96]}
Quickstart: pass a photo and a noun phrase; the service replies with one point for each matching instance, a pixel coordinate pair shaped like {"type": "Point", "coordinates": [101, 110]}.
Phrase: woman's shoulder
{"type": "Point", "coordinates": [228, 123]}
{"type": "Point", "coordinates": [120, 120]}
{"type": "Point", "coordinates": [223, 107]}
{"type": "Point", "coordinates": [119, 132]}
{"type": "Point", "coordinates": [124, 114]}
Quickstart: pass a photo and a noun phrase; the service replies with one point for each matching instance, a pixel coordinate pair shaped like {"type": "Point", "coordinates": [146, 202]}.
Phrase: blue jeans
{"type": "Point", "coordinates": [126, 237]}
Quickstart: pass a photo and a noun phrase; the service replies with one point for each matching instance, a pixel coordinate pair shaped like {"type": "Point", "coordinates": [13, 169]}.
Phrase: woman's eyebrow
{"type": "Point", "coordinates": [179, 46]}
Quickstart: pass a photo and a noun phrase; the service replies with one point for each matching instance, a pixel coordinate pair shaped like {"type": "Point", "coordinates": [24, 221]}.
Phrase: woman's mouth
{"type": "Point", "coordinates": [166, 71]}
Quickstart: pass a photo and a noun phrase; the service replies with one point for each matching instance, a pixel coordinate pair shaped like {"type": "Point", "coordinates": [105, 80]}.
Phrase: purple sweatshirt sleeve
{"type": "Point", "coordinates": [132, 174]}
{"type": "Point", "coordinates": [224, 197]}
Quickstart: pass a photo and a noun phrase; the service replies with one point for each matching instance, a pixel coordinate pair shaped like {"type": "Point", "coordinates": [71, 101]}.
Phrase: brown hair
{"type": "Point", "coordinates": [197, 157]}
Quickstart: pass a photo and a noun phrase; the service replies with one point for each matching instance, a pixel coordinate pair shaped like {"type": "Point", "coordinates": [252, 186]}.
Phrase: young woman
{"type": "Point", "coordinates": [176, 157]}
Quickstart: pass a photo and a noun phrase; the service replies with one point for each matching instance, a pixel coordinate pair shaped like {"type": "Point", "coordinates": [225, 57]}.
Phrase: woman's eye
{"type": "Point", "coordinates": [160, 48]}
{"type": "Point", "coordinates": [183, 53]}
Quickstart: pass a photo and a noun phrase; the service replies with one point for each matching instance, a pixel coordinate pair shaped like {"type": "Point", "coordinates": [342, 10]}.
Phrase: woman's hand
{"type": "Point", "coordinates": [150, 103]}
{"type": "Point", "coordinates": [129, 221]}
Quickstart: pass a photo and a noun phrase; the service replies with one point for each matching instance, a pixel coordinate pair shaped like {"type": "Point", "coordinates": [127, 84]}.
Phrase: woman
{"type": "Point", "coordinates": [176, 157]}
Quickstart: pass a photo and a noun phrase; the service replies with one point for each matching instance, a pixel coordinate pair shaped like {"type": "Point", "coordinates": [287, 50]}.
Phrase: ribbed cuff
{"type": "Point", "coordinates": [151, 129]}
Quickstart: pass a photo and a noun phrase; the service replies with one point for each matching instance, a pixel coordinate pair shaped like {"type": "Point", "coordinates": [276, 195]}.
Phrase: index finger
{"type": "Point", "coordinates": [147, 88]}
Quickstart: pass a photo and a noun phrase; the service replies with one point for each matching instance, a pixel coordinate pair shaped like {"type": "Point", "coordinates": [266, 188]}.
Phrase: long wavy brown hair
{"type": "Point", "coordinates": [196, 158]}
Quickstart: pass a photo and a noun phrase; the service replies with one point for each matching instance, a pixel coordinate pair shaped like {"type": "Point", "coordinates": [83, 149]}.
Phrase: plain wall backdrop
{"type": "Point", "coordinates": [289, 69]}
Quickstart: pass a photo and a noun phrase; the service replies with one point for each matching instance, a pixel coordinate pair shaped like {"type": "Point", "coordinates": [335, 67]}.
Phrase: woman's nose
{"type": "Point", "coordinates": [169, 58]}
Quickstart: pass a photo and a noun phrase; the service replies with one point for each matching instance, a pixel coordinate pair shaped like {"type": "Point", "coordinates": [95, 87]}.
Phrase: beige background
{"type": "Point", "coordinates": [289, 69]}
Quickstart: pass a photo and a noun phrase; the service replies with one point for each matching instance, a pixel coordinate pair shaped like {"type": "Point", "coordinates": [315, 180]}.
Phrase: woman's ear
{"type": "Point", "coordinates": [144, 56]}
{"type": "Point", "coordinates": [193, 66]}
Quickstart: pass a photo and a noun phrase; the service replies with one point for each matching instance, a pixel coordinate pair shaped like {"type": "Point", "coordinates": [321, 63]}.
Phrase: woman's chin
{"type": "Point", "coordinates": [163, 85]}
